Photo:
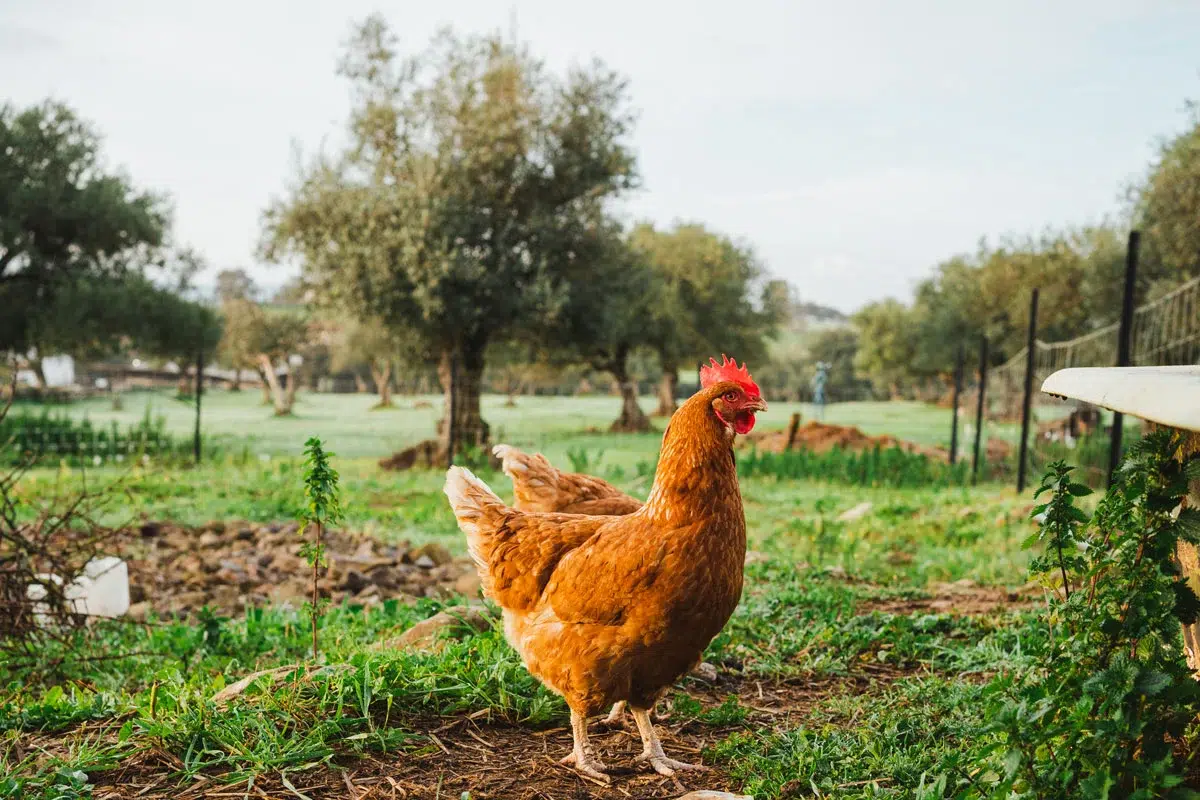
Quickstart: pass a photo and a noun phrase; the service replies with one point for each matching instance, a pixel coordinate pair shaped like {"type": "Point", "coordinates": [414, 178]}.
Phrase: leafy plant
{"type": "Point", "coordinates": [1103, 713]}
{"type": "Point", "coordinates": [322, 507]}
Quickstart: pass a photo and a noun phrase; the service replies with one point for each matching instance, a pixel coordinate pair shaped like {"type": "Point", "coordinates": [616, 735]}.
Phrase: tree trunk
{"type": "Point", "coordinates": [282, 398]}
{"type": "Point", "coordinates": [383, 384]}
{"type": "Point", "coordinates": [462, 396]}
{"type": "Point", "coordinates": [360, 385]}
{"type": "Point", "coordinates": [39, 370]}
{"type": "Point", "coordinates": [266, 385]}
{"type": "Point", "coordinates": [666, 392]}
{"type": "Point", "coordinates": [632, 419]}
{"type": "Point", "coordinates": [289, 397]}
{"type": "Point", "coordinates": [236, 386]}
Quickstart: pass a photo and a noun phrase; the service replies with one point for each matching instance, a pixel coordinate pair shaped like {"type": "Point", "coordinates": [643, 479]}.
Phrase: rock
{"type": "Point", "coordinates": [705, 672]}
{"type": "Point", "coordinates": [138, 611]}
{"type": "Point", "coordinates": [209, 539]}
{"type": "Point", "coordinates": [245, 534]}
{"type": "Point", "coordinates": [430, 634]}
{"type": "Point", "coordinates": [856, 513]}
{"type": "Point", "coordinates": [469, 584]}
{"type": "Point", "coordinates": [425, 562]}
{"type": "Point", "coordinates": [436, 551]}
{"type": "Point", "coordinates": [355, 581]}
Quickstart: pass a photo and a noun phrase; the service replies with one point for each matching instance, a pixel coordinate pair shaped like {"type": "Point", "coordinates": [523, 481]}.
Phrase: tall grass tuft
{"type": "Point", "coordinates": [892, 467]}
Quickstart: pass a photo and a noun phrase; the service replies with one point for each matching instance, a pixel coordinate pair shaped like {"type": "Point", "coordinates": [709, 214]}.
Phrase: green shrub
{"type": "Point", "coordinates": [1111, 707]}
{"type": "Point", "coordinates": [27, 438]}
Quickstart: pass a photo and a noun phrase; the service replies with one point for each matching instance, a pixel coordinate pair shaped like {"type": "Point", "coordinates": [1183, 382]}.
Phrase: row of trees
{"type": "Point", "coordinates": [901, 346]}
{"type": "Point", "coordinates": [471, 211]}
{"type": "Point", "coordinates": [86, 266]}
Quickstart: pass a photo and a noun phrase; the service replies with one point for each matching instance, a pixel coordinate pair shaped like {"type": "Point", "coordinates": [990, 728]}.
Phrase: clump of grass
{"type": "Point", "coordinates": [878, 466]}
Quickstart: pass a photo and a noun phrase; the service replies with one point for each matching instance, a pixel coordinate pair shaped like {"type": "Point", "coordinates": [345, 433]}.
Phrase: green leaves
{"type": "Point", "coordinates": [322, 494]}
{"type": "Point", "coordinates": [1114, 690]}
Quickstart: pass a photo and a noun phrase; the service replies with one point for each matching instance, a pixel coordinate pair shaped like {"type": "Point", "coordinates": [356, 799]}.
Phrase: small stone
{"type": "Point", "coordinates": [468, 584]}
{"type": "Point", "coordinates": [856, 513]}
{"type": "Point", "coordinates": [355, 581]}
{"type": "Point", "coordinates": [437, 552]}
{"type": "Point", "coordinates": [430, 634]}
{"type": "Point", "coordinates": [425, 562]}
{"type": "Point", "coordinates": [245, 534]}
{"type": "Point", "coordinates": [705, 672]}
{"type": "Point", "coordinates": [209, 539]}
{"type": "Point", "coordinates": [138, 611]}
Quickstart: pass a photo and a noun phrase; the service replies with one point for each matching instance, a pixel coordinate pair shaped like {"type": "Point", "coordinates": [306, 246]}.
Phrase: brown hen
{"type": "Point", "coordinates": [604, 609]}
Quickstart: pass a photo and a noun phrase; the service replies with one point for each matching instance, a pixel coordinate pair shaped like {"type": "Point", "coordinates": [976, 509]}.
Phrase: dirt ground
{"type": "Point", "coordinates": [493, 759]}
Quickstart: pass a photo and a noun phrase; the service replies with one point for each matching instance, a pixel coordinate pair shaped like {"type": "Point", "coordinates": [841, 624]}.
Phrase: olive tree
{"type": "Point", "coordinates": [454, 210]}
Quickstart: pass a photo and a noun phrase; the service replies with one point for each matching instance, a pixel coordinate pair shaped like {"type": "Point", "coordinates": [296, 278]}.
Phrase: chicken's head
{"type": "Point", "coordinates": [736, 396]}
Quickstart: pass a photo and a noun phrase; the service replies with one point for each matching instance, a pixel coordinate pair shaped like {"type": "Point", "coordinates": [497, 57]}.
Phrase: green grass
{"type": "Point", "coordinates": [352, 428]}
{"type": "Point", "coordinates": [900, 716]}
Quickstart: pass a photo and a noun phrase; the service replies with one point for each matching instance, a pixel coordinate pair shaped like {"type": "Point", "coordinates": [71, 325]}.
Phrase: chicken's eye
{"type": "Point", "coordinates": [731, 396]}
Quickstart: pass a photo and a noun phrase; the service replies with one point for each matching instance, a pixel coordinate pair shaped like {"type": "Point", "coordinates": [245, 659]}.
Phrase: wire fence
{"type": "Point", "coordinates": [1162, 332]}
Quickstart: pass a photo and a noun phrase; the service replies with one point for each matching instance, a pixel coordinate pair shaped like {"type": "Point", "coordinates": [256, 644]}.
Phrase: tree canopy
{"type": "Point", "coordinates": [63, 215]}
{"type": "Point", "coordinates": [471, 178]}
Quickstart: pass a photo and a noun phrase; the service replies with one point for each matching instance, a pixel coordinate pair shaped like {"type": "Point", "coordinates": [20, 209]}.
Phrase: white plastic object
{"type": "Point", "coordinates": [102, 590]}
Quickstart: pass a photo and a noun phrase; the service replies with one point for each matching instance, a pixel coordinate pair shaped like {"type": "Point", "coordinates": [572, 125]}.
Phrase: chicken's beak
{"type": "Point", "coordinates": [756, 405]}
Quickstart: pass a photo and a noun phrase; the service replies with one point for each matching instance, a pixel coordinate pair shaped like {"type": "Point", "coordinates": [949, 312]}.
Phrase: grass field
{"type": "Point", "coordinates": [353, 428]}
{"type": "Point", "coordinates": [856, 667]}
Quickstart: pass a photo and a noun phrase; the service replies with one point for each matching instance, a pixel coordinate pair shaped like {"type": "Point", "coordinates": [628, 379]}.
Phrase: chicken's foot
{"type": "Point", "coordinates": [616, 717]}
{"type": "Point", "coordinates": [583, 756]}
{"type": "Point", "coordinates": [652, 749]}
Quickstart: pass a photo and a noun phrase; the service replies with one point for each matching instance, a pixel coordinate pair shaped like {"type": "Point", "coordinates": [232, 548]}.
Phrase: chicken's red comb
{"type": "Point", "coordinates": [728, 370]}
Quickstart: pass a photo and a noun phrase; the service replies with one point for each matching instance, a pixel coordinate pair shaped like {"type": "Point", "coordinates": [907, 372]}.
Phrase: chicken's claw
{"type": "Point", "coordinates": [587, 764]}
{"type": "Point", "coordinates": [616, 717]}
{"type": "Point", "coordinates": [667, 766]}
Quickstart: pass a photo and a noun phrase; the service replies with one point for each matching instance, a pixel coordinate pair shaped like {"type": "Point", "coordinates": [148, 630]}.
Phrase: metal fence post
{"type": "Point", "coordinates": [958, 380]}
{"type": "Point", "coordinates": [452, 412]}
{"type": "Point", "coordinates": [983, 367]}
{"type": "Point", "coordinates": [1124, 332]}
{"type": "Point", "coordinates": [1027, 400]}
{"type": "Point", "coordinates": [199, 391]}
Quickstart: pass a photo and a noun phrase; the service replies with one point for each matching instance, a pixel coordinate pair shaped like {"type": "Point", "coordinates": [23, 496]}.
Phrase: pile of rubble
{"type": "Point", "coordinates": [232, 566]}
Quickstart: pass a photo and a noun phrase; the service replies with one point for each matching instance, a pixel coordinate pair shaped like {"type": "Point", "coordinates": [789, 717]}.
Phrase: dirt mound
{"type": "Point", "coordinates": [820, 437]}
{"type": "Point", "coordinates": [232, 566]}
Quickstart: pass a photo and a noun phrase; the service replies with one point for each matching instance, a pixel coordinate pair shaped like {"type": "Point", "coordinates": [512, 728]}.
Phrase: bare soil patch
{"type": "Point", "coordinates": [231, 566]}
{"type": "Point", "coordinates": [963, 599]}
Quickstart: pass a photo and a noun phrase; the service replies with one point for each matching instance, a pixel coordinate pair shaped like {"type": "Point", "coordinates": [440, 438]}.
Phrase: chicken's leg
{"type": "Point", "coordinates": [617, 716]}
{"type": "Point", "coordinates": [583, 756]}
{"type": "Point", "coordinates": [652, 749]}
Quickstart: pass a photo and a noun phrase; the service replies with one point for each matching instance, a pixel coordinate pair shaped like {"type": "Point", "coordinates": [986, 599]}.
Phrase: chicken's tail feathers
{"type": "Point", "coordinates": [470, 498]}
{"type": "Point", "coordinates": [529, 472]}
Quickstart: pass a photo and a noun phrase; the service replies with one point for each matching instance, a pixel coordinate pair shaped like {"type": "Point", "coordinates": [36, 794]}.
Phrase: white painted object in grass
{"type": "Point", "coordinates": [102, 590]}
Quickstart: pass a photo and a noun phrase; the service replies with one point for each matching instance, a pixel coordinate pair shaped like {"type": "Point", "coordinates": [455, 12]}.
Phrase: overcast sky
{"type": "Point", "coordinates": [854, 144]}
